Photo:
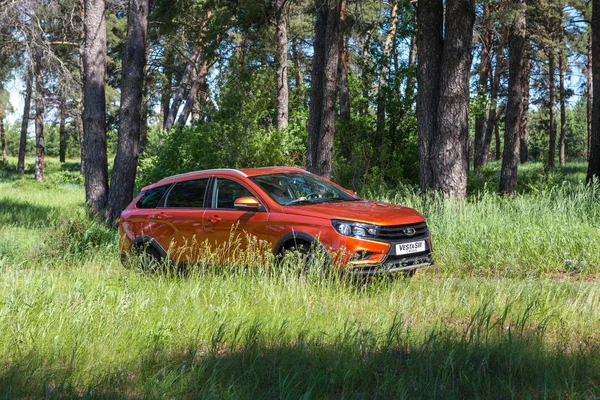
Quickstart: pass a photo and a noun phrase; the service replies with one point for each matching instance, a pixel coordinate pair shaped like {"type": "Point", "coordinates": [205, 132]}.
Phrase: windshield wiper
{"type": "Point", "coordinates": [298, 201]}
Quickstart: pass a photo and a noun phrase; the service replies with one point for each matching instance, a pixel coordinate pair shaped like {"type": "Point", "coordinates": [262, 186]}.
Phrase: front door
{"type": "Point", "coordinates": [235, 236]}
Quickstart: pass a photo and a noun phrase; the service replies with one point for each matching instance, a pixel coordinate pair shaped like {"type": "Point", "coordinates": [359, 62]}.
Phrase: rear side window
{"type": "Point", "coordinates": [187, 194]}
{"type": "Point", "coordinates": [152, 197]}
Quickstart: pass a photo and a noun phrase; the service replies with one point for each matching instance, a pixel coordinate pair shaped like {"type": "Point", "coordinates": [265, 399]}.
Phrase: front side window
{"type": "Point", "coordinates": [226, 192]}
{"type": "Point", "coordinates": [151, 198]}
{"type": "Point", "coordinates": [187, 194]}
{"type": "Point", "coordinates": [300, 188]}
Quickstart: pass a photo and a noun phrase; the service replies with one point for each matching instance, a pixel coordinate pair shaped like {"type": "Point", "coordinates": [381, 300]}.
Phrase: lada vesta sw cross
{"type": "Point", "coordinates": [282, 209]}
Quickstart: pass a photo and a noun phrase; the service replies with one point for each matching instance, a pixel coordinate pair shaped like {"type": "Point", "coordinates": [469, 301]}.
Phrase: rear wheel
{"type": "Point", "coordinates": [148, 258]}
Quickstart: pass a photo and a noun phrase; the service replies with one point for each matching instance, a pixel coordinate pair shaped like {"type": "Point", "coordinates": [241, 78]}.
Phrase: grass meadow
{"type": "Point", "coordinates": [511, 309]}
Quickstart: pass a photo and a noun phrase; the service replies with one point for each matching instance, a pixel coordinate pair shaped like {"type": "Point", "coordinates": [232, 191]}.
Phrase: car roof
{"type": "Point", "coordinates": [244, 172]}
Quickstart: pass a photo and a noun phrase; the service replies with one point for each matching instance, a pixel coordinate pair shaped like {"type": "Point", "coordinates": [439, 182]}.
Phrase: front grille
{"type": "Point", "coordinates": [397, 232]}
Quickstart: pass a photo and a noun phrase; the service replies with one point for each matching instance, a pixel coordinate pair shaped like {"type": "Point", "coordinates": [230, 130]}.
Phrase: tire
{"type": "Point", "coordinates": [148, 258]}
{"type": "Point", "coordinates": [307, 258]}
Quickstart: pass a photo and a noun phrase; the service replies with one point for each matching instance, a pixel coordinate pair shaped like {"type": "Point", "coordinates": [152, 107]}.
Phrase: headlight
{"type": "Point", "coordinates": [349, 228]}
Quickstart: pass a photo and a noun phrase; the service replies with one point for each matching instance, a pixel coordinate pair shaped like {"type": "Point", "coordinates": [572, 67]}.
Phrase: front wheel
{"type": "Point", "coordinates": [306, 259]}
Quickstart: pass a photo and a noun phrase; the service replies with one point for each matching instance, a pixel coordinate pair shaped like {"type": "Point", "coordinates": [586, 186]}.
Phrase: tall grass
{"type": "Point", "coordinates": [493, 319]}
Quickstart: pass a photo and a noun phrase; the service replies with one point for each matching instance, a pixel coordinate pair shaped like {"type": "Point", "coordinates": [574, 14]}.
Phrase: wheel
{"type": "Point", "coordinates": [305, 258]}
{"type": "Point", "coordinates": [148, 258]}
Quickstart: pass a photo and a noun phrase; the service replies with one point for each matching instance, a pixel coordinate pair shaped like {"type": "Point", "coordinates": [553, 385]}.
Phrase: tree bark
{"type": "Point", "coordinates": [321, 122]}
{"type": "Point", "coordinates": [514, 107]}
{"type": "Point", "coordinates": [296, 56]}
{"type": "Point", "coordinates": [563, 112]}
{"type": "Point", "coordinates": [411, 78]}
{"type": "Point", "coordinates": [383, 75]}
{"type": "Point", "coordinates": [192, 98]}
{"type": "Point", "coordinates": [132, 90]}
{"type": "Point", "coordinates": [180, 93]}
{"type": "Point", "coordinates": [552, 107]}
{"type": "Point", "coordinates": [94, 106]}
{"type": "Point", "coordinates": [588, 85]}
{"type": "Point", "coordinates": [593, 171]}
{"type": "Point", "coordinates": [62, 130]}
{"type": "Point", "coordinates": [281, 70]}
{"type": "Point", "coordinates": [25, 124]}
{"type": "Point", "coordinates": [482, 91]}
{"type": "Point", "coordinates": [3, 137]}
{"type": "Point", "coordinates": [524, 129]}
{"type": "Point", "coordinates": [40, 110]}
{"type": "Point", "coordinates": [450, 144]}
{"type": "Point", "coordinates": [430, 14]}
{"type": "Point", "coordinates": [343, 68]}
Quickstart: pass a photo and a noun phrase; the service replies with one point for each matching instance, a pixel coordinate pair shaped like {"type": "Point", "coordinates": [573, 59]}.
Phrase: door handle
{"type": "Point", "coordinates": [158, 216]}
{"type": "Point", "coordinates": [215, 219]}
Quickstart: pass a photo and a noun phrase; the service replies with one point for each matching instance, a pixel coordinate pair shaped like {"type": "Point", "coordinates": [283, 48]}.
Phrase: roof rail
{"type": "Point", "coordinates": [237, 171]}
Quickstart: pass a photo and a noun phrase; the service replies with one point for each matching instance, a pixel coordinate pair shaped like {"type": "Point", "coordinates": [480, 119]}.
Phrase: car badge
{"type": "Point", "coordinates": [410, 231]}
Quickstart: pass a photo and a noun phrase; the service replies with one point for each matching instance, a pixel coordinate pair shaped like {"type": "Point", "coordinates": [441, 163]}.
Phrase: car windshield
{"type": "Point", "coordinates": [300, 188]}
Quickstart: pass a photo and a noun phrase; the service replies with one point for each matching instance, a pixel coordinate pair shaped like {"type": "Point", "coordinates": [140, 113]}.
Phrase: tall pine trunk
{"type": "Point", "coordinates": [321, 122]}
{"type": "Point", "coordinates": [62, 129]}
{"type": "Point", "coordinates": [552, 107]}
{"type": "Point", "coordinates": [343, 45]}
{"type": "Point", "coordinates": [430, 14]}
{"type": "Point", "coordinates": [563, 112]}
{"type": "Point", "coordinates": [94, 106]}
{"type": "Point", "coordinates": [281, 70]}
{"type": "Point", "coordinates": [25, 123]}
{"type": "Point", "coordinates": [524, 129]}
{"type": "Point", "coordinates": [411, 78]}
{"type": "Point", "coordinates": [514, 107]}
{"type": "Point", "coordinates": [383, 75]}
{"type": "Point", "coordinates": [450, 144]}
{"type": "Point", "coordinates": [3, 137]}
{"type": "Point", "coordinates": [40, 110]}
{"type": "Point", "coordinates": [134, 60]}
{"type": "Point", "coordinates": [589, 90]}
{"type": "Point", "coordinates": [593, 171]}
{"type": "Point", "coordinates": [482, 90]}
{"type": "Point", "coordinates": [192, 97]}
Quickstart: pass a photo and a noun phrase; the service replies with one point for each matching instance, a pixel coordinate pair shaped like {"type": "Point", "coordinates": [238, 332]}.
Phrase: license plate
{"type": "Point", "coordinates": [409, 248]}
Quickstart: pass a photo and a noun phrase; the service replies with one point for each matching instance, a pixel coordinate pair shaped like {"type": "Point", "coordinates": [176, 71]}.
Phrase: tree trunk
{"type": "Point", "coordinates": [62, 111]}
{"type": "Point", "coordinates": [552, 107]}
{"type": "Point", "coordinates": [321, 123]}
{"type": "Point", "coordinates": [484, 73]}
{"type": "Point", "coordinates": [411, 75]}
{"type": "Point", "coordinates": [192, 98]}
{"type": "Point", "coordinates": [3, 137]}
{"type": "Point", "coordinates": [25, 124]}
{"type": "Point", "coordinates": [593, 171]}
{"type": "Point", "coordinates": [183, 85]}
{"type": "Point", "coordinates": [514, 107]}
{"type": "Point", "coordinates": [588, 85]}
{"type": "Point", "coordinates": [296, 50]}
{"type": "Point", "coordinates": [167, 81]}
{"type": "Point", "coordinates": [383, 75]}
{"type": "Point", "coordinates": [430, 14]}
{"type": "Point", "coordinates": [563, 112]}
{"type": "Point", "coordinates": [524, 129]}
{"type": "Point", "coordinates": [281, 70]}
{"type": "Point", "coordinates": [40, 110]}
{"type": "Point", "coordinates": [494, 115]}
{"type": "Point", "coordinates": [94, 106]}
{"type": "Point", "coordinates": [132, 91]}
{"type": "Point", "coordinates": [450, 144]}
{"type": "Point", "coordinates": [343, 67]}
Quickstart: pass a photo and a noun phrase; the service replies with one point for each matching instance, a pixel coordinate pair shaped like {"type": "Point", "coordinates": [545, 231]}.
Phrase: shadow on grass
{"type": "Point", "coordinates": [440, 363]}
{"type": "Point", "coordinates": [24, 214]}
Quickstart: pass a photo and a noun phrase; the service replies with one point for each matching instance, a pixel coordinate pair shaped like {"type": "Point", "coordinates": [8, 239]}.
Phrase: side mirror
{"type": "Point", "coordinates": [246, 204]}
{"type": "Point", "coordinates": [352, 192]}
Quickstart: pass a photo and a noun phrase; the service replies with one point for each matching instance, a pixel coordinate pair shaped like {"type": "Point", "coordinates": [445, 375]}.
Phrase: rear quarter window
{"type": "Point", "coordinates": [151, 198]}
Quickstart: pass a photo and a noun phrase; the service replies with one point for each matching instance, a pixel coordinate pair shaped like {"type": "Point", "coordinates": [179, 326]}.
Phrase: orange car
{"type": "Point", "coordinates": [185, 217]}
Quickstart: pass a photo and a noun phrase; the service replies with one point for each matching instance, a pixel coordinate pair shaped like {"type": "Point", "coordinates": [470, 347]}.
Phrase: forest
{"type": "Point", "coordinates": [480, 114]}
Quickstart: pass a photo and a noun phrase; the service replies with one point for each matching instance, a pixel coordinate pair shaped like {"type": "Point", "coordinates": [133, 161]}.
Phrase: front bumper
{"type": "Point", "coordinates": [392, 264]}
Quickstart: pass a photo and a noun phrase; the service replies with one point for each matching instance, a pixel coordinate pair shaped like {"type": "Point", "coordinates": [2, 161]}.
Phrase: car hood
{"type": "Point", "coordinates": [370, 212]}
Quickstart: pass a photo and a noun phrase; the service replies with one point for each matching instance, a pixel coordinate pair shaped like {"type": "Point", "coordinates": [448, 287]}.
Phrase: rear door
{"type": "Point", "coordinates": [235, 236]}
{"type": "Point", "coordinates": [181, 231]}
